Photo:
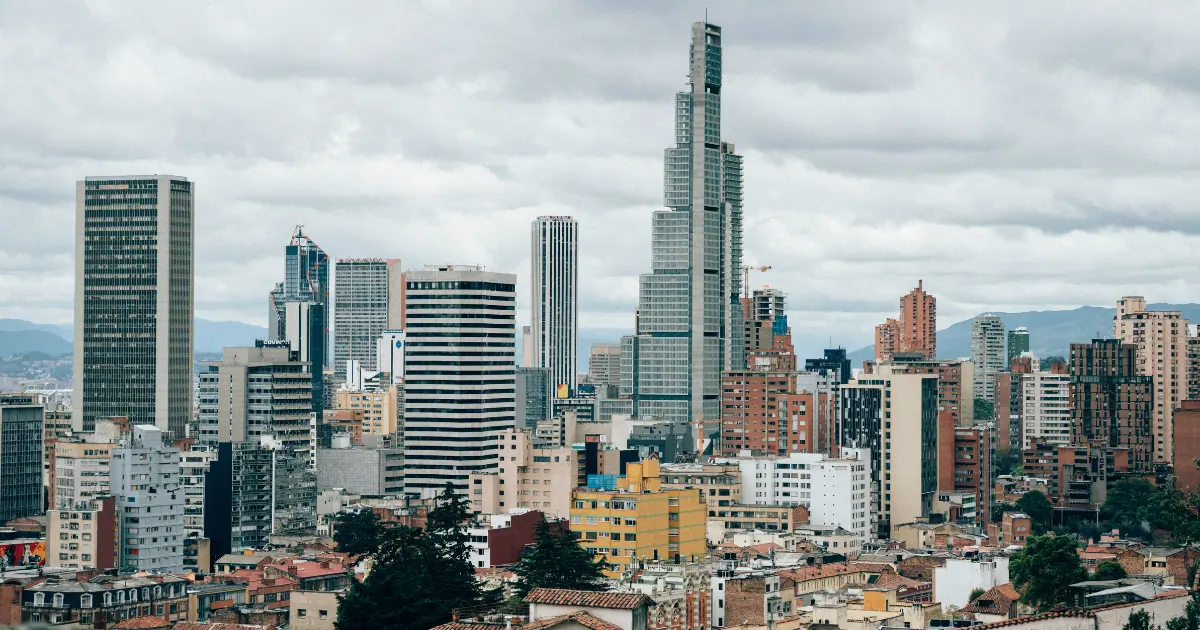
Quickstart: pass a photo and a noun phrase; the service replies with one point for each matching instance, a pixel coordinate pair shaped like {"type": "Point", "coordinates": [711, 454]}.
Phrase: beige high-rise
{"type": "Point", "coordinates": [1162, 341]}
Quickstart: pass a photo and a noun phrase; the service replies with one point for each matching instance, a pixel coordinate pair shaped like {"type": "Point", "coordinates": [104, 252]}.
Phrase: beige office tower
{"type": "Point", "coordinates": [368, 298]}
{"type": "Point", "coordinates": [1162, 341]}
{"type": "Point", "coordinates": [134, 300]}
{"type": "Point", "coordinates": [604, 364]}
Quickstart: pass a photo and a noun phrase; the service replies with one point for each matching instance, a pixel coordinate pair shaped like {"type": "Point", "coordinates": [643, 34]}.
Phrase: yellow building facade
{"type": "Point", "coordinates": [378, 404]}
{"type": "Point", "coordinates": [639, 520]}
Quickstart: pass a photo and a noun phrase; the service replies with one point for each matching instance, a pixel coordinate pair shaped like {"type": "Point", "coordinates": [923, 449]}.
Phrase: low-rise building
{"type": "Point", "coordinates": [639, 520]}
{"type": "Point", "coordinates": [550, 607]}
{"type": "Point", "coordinates": [679, 593]}
{"type": "Point", "coordinates": [720, 485]}
{"type": "Point", "coordinates": [831, 539]}
{"type": "Point", "coordinates": [83, 538]}
{"type": "Point", "coordinates": [753, 599]}
{"type": "Point", "coordinates": [768, 518]}
{"type": "Point", "coordinates": [204, 597]}
{"type": "Point", "coordinates": [313, 610]}
{"type": "Point", "coordinates": [360, 470]}
{"type": "Point", "coordinates": [104, 601]}
{"type": "Point", "coordinates": [954, 581]}
{"type": "Point", "coordinates": [499, 539]}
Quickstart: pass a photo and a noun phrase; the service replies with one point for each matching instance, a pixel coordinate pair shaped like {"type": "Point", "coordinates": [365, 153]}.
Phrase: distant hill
{"type": "Point", "coordinates": [1050, 332]}
{"type": "Point", "coordinates": [26, 341]}
{"type": "Point", "coordinates": [20, 336]}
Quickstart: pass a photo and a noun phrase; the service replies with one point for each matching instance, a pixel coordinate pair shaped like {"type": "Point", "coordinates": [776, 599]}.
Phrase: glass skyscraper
{"type": "Point", "coordinates": [689, 324]}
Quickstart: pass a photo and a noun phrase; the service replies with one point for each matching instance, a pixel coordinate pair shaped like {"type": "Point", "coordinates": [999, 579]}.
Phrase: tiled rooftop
{"type": "Point", "coordinates": [587, 599]}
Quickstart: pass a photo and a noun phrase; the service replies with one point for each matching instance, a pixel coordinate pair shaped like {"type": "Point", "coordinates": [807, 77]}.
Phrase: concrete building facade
{"type": "Point", "coordinates": [254, 392]}
{"type": "Point", "coordinates": [146, 483]}
{"type": "Point", "coordinates": [362, 471]}
{"type": "Point", "coordinates": [604, 364]}
{"type": "Point", "coordinates": [1046, 408]}
{"type": "Point", "coordinates": [895, 419]}
{"type": "Point", "coordinates": [460, 374]}
{"type": "Point", "coordinates": [85, 537]}
{"type": "Point", "coordinates": [987, 353]}
{"type": "Point", "coordinates": [134, 300]}
{"type": "Point", "coordinates": [1161, 338]}
{"type": "Point", "coordinates": [368, 299]}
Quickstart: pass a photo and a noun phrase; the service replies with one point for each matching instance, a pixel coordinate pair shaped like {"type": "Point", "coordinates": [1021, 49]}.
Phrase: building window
{"type": "Point", "coordinates": [58, 600]}
{"type": "Point", "coordinates": [39, 599]}
{"type": "Point", "coordinates": [324, 614]}
{"type": "Point", "coordinates": [302, 612]}
{"type": "Point", "coordinates": [85, 601]}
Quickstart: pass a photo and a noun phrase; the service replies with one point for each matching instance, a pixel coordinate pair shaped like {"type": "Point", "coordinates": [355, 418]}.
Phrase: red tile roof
{"type": "Point", "coordinates": [1082, 613]}
{"type": "Point", "coordinates": [996, 601]}
{"type": "Point", "coordinates": [144, 623]}
{"type": "Point", "coordinates": [587, 599]}
{"type": "Point", "coordinates": [581, 618]}
{"type": "Point", "coordinates": [201, 625]}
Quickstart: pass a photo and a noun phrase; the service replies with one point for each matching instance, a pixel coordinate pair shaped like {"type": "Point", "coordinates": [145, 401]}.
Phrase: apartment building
{"type": "Point", "coordinates": [1161, 338]}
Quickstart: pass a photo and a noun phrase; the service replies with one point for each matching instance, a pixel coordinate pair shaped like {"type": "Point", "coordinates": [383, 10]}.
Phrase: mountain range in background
{"type": "Point", "coordinates": [18, 336]}
{"type": "Point", "coordinates": [1050, 332]}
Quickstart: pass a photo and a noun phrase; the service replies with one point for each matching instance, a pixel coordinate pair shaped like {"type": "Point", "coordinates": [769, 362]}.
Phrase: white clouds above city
{"type": "Point", "coordinates": [1017, 156]}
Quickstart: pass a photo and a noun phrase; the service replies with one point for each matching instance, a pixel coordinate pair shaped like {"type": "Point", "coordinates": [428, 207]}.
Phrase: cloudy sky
{"type": "Point", "coordinates": [1015, 156]}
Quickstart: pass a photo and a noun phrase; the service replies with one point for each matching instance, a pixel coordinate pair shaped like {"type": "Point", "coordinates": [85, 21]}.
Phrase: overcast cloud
{"type": "Point", "coordinates": [1016, 156]}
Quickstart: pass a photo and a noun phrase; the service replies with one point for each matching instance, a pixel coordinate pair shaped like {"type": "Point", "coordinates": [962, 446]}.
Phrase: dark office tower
{"type": "Point", "coordinates": [299, 314]}
{"type": "Point", "coordinates": [21, 417]}
{"type": "Point", "coordinates": [1018, 343]}
{"type": "Point", "coordinates": [1111, 403]}
{"type": "Point", "coordinates": [134, 300]}
{"type": "Point", "coordinates": [834, 362]}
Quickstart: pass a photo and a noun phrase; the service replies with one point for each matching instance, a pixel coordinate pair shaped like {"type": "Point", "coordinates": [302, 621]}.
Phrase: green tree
{"type": "Point", "coordinates": [357, 532]}
{"type": "Point", "coordinates": [984, 410]}
{"type": "Point", "coordinates": [419, 577]}
{"type": "Point", "coordinates": [1127, 499]}
{"type": "Point", "coordinates": [975, 594]}
{"type": "Point", "coordinates": [1054, 358]}
{"type": "Point", "coordinates": [1004, 463]}
{"type": "Point", "coordinates": [1035, 504]}
{"type": "Point", "coordinates": [1138, 620]}
{"type": "Point", "coordinates": [1044, 570]}
{"type": "Point", "coordinates": [1109, 570]}
{"type": "Point", "coordinates": [999, 509]}
{"type": "Point", "coordinates": [556, 560]}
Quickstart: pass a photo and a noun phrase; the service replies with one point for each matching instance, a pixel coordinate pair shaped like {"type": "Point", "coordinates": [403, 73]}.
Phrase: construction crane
{"type": "Point", "coordinates": [746, 269]}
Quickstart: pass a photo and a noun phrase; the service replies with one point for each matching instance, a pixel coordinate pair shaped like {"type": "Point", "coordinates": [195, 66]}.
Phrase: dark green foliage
{"type": "Point", "coordinates": [1109, 570]}
{"type": "Point", "coordinates": [1127, 500]}
{"type": "Point", "coordinates": [1004, 463]}
{"type": "Point", "coordinates": [1044, 570]}
{"type": "Point", "coordinates": [999, 509]}
{"type": "Point", "coordinates": [1052, 359]}
{"type": "Point", "coordinates": [557, 561]}
{"type": "Point", "coordinates": [1139, 620]}
{"type": "Point", "coordinates": [420, 577]}
{"type": "Point", "coordinates": [984, 410]}
{"type": "Point", "coordinates": [975, 593]}
{"type": "Point", "coordinates": [358, 532]}
{"type": "Point", "coordinates": [1038, 507]}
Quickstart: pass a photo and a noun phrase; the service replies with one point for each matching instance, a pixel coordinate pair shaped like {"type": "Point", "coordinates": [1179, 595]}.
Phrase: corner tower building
{"type": "Point", "coordinates": [134, 300]}
{"type": "Point", "coordinates": [689, 325]}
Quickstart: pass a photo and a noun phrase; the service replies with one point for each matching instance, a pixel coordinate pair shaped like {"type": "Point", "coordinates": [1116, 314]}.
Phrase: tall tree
{"type": "Point", "coordinates": [1127, 499]}
{"type": "Point", "coordinates": [556, 560]}
{"type": "Point", "coordinates": [420, 577]}
{"type": "Point", "coordinates": [357, 532]}
{"type": "Point", "coordinates": [1045, 569]}
{"type": "Point", "coordinates": [1109, 570]}
{"type": "Point", "coordinates": [1035, 504]}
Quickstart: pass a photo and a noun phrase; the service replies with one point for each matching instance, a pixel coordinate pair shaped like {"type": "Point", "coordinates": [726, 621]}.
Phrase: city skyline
{"type": "Point", "coordinates": [259, 184]}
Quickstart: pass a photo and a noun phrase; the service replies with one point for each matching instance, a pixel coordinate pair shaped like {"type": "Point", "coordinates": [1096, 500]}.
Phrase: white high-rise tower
{"type": "Point", "coordinates": [555, 304]}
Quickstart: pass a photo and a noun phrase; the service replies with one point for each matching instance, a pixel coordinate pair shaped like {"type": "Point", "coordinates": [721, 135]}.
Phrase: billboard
{"type": "Point", "coordinates": [17, 554]}
{"type": "Point", "coordinates": [562, 391]}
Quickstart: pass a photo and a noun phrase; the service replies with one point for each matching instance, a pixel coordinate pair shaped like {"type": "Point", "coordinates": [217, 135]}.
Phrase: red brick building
{"type": "Point", "coordinates": [750, 411]}
{"type": "Point", "coordinates": [973, 467]}
{"type": "Point", "coordinates": [1186, 441]}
